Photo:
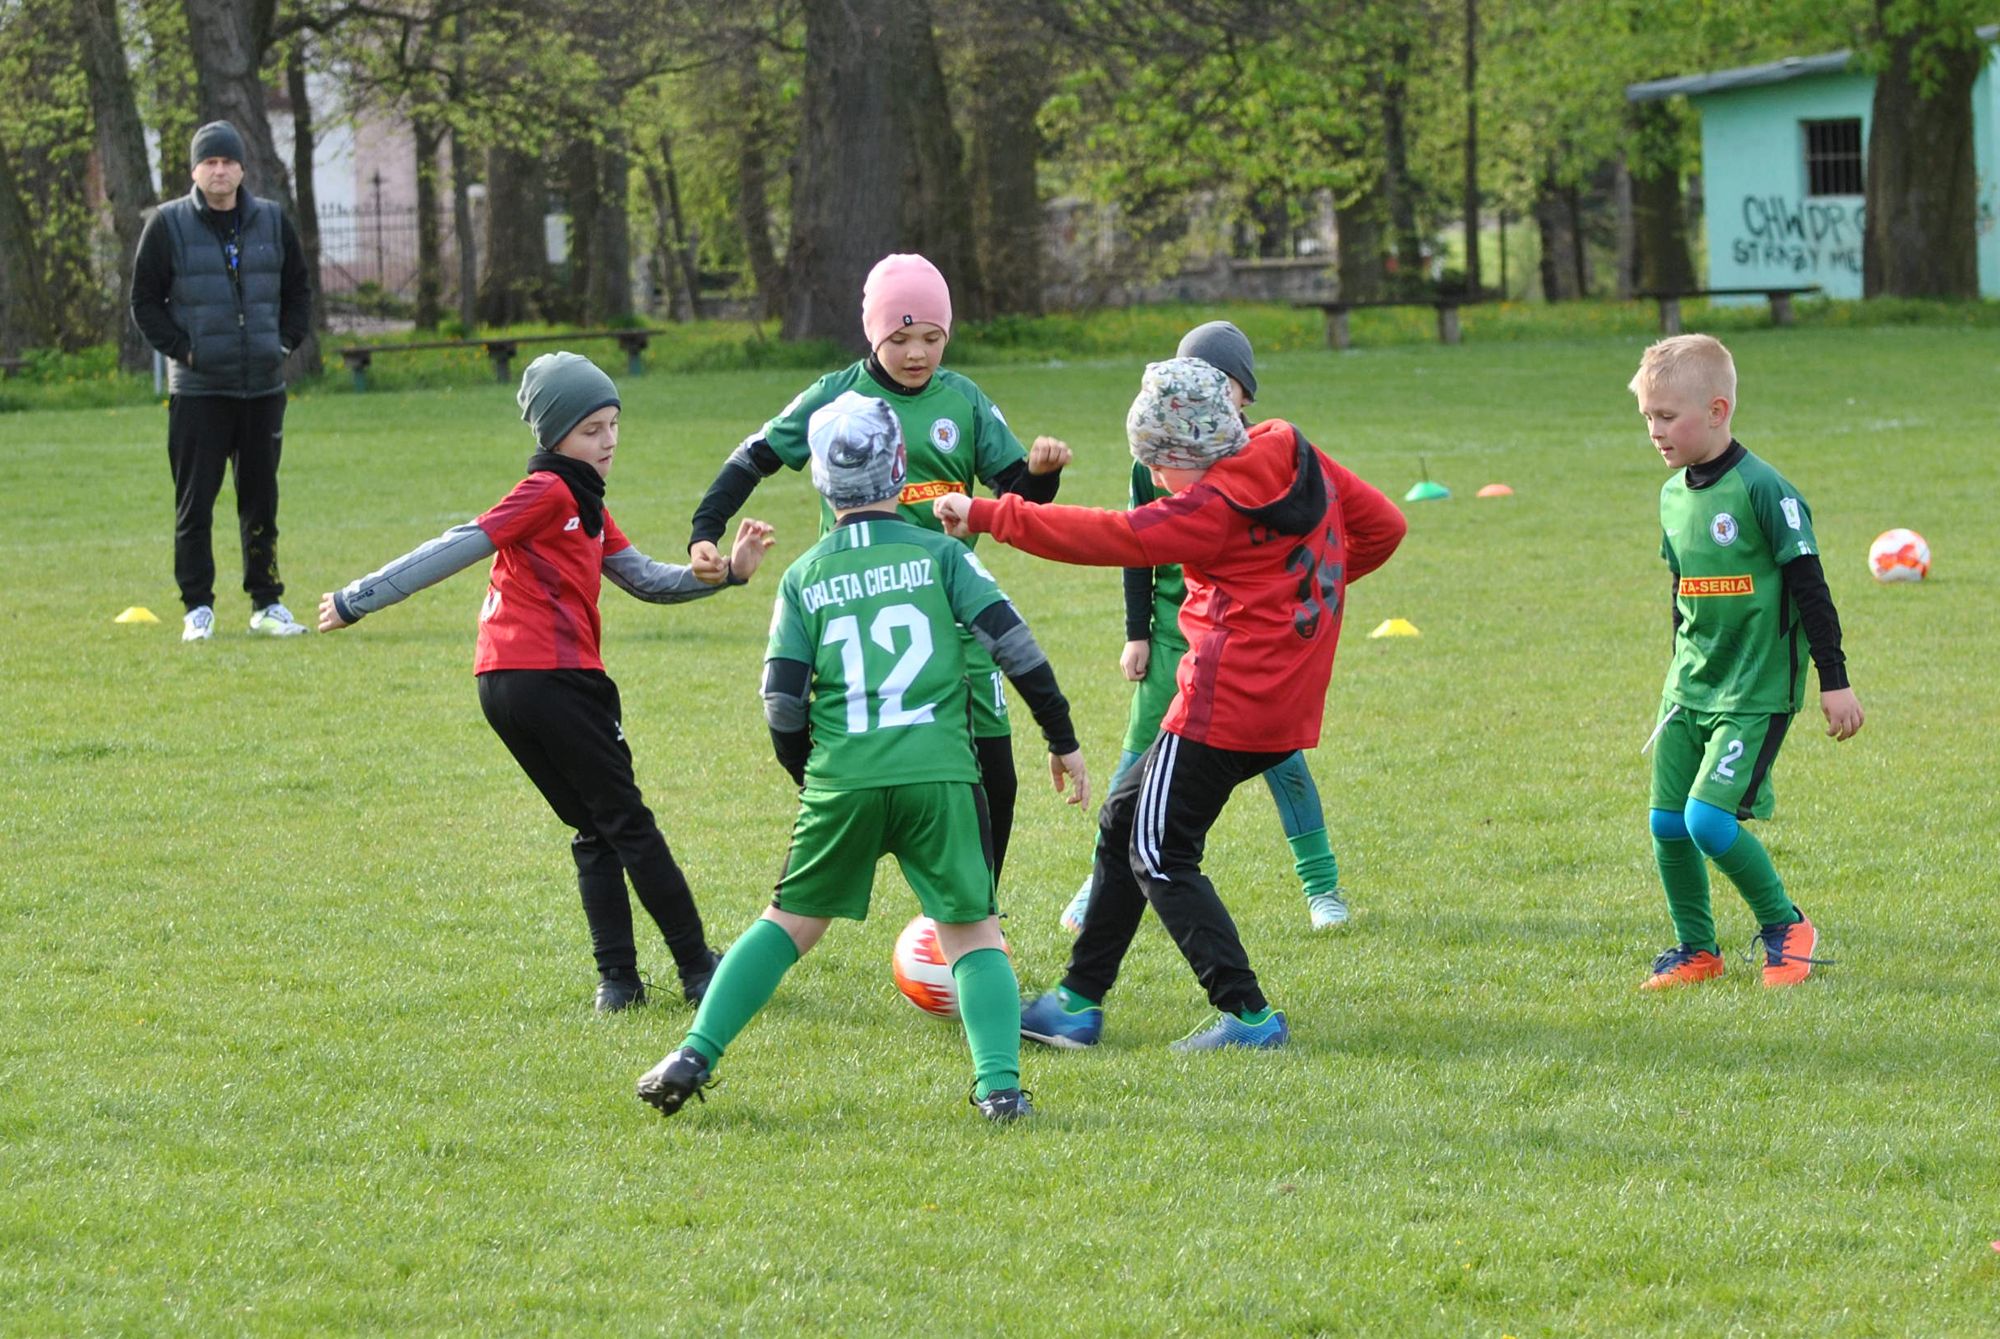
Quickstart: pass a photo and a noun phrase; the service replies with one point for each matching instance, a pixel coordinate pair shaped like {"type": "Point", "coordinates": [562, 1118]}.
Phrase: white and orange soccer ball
{"type": "Point", "coordinates": [922, 974]}
{"type": "Point", "coordinates": [1899, 555]}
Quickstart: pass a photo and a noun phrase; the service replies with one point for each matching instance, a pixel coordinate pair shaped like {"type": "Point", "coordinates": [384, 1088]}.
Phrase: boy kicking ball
{"type": "Point", "coordinates": [1748, 589]}
{"type": "Point", "coordinates": [865, 693]}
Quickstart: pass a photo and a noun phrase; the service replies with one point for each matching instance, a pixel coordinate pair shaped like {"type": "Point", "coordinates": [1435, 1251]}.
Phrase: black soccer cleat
{"type": "Point", "coordinates": [668, 1085]}
{"type": "Point", "coordinates": [694, 982]}
{"type": "Point", "coordinates": [619, 988]}
{"type": "Point", "coordinates": [1003, 1106]}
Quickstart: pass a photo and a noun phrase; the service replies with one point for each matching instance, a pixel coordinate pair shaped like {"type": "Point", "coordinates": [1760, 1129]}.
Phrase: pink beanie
{"type": "Point", "coordinates": [903, 290]}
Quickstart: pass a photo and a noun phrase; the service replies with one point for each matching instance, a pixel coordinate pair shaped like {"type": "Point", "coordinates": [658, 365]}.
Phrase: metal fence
{"type": "Point", "coordinates": [368, 251]}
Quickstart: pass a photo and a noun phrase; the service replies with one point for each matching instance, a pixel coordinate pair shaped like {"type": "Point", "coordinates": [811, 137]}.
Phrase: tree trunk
{"type": "Point", "coordinates": [228, 59]}
{"type": "Point", "coordinates": [1397, 190]}
{"type": "Point", "coordinates": [879, 165]}
{"type": "Point", "coordinates": [1473, 280]}
{"type": "Point", "coordinates": [1560, 266]}
{"type": "Point", "coordinates": [1361, 246]}
{"type": "Point", "coordinates": [1921, 237]}
{"type": "Point", "coordinates": [429, 137]}
{"type": "Point", "coordinates": [1011, 70]}
{"type": "Point", "coordinates": [306, 358]}
{"type": "Point", "coordinates": [581, 192]}
{"type": "Point", "coordinates": [609, 298]}
{"type": "Point", "coordinates": [23, 307]}
{"type": "Point", "coordinates": [684, 254]}
{"type": "Point", "coordinates": [466, 236]}
{"type": "Point", "coordinates": [514, 286]}
{"type": "Point", "coordinates": [174, 103]}
{"type": "Point", "coordinates": [121, 149]}
{"type": "Point", "coordinates": [1659, 215]}
{"type": "Point", "coordinates": [1625, 248]}
{"type": "Point", "coordinates": [753, 196]}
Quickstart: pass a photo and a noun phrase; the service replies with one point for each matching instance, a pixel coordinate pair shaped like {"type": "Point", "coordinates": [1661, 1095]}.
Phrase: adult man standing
{"type": "Point", "coordinates": [220, 287]}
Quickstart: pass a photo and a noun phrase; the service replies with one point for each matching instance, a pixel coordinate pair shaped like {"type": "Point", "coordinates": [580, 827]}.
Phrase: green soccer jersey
{"type": "Point", "coordinates": [954, 435]}
{"type": "Point", "coordinates": [1169, 586]}
{"type": "Point", "coordinates": [875, 608]}
{"type": "Point", "coordinates": [1740, 647]}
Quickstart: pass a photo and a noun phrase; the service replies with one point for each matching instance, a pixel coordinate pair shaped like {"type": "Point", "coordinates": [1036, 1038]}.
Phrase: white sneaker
{"type": "Point", "coordinates": [198, 624]}
{"type": "Point", "coordinates": [274, 620]}
{"type": "Point", "coordinates": [1078, 908]}
{"type": "Point", "coordinates": [1329, 910]}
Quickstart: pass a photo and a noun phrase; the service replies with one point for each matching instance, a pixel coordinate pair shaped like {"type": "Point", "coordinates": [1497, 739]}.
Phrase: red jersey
{"type": "Point", "coordinates": [541, 600]}
{"type": "Point", "coordinates": [1268, 541]}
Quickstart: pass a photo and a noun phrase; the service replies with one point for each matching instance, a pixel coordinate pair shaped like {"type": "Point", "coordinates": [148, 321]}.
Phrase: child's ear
{"type": "Point", "coordinates": [1718, 411]}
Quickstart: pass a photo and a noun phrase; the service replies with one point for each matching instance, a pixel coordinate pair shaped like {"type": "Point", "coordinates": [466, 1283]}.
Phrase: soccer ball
{"type": "Point", "coordinates": [922, 974]}
{"type": "Point", "coordinates": [1899, 555]}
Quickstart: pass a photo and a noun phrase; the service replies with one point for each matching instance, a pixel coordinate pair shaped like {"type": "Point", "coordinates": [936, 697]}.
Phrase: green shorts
{"type": "Point", "coordinates": [1720, 760]}
{"type": "Point", "coordinates": [937, 830]}
{"type": "Point", "coordinates": [989, 691]}
{"type": "Point", "coordinates": [1153, 694]}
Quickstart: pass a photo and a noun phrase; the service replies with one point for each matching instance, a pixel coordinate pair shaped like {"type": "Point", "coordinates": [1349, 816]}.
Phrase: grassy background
{"type": "Point", "coordinates": [294, 995]}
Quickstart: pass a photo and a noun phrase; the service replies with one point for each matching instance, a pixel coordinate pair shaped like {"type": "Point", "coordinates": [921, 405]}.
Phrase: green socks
{"type": "Point", "coordinates": [1749, 867]}
{"type": "Point", "coordinates": [989, 1003]}
{"type": "Point", "coordinates": [744, 983]}
{"type": "Point", "coordinates": [1074, 1003]}
{"type": "Point", "coordinates": [1685, 874]}
{"type": "Point", "coordinates": [1313, 859]}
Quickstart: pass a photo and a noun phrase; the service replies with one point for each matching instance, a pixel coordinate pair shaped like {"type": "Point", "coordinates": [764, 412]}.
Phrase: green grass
{"type": "Point", "coordinates": [294, 995]}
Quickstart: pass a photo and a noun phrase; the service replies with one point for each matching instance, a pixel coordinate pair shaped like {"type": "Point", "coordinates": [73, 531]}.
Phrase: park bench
{"type": "Point", "coordinates": [1780, 299]}
{"type": "Point", "coordinates": [12, 367]}
{"type": "Point", "coordinates": [1337, 336]}
{"type": "Point", "coordinates": [501, 349]}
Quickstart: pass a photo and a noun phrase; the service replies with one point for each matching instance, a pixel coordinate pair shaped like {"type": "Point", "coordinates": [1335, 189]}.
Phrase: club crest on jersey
{"type": "Point", "coordinates": [944, 435]}
{"type": "Point", "coordinates": [572, 523]}
{"type": "Point", "coordinates": [1723, 529]}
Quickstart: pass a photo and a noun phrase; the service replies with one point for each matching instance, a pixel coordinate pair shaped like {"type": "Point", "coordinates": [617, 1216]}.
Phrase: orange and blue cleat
{"type": "Point", "coordinates": [1788, 952]}
{"type": "Point", "coordinates": [1683, 966]}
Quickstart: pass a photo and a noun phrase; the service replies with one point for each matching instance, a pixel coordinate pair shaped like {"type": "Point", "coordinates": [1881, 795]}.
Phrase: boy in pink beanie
{"type": "Point", "coordinates": [955, 438]}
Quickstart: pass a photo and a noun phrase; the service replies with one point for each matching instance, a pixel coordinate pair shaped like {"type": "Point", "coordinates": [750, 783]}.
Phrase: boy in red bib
{"type": "Point", "coordinates": [541, 680]}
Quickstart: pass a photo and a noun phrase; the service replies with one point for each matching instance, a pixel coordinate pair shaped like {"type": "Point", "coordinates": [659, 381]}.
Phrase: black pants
{"type": "Point", "coordinates": [205, 434]}
{"type": "Point", "coordinates": [1150, 837]}
{"type": "Point", "coordinates": [996, 779]}
{"type": "Point", "coordinates": [563, 727]}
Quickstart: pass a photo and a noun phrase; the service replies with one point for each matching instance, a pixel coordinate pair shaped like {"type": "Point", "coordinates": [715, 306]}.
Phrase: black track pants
{"type": "Point", "coordinates": [207, 434]}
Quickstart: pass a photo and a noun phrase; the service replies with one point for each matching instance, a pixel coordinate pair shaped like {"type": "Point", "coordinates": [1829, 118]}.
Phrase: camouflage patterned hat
{"type": "Point", "coordinates": [1183, 418]}
{"type": "Point", "coordinates": [857, 451]}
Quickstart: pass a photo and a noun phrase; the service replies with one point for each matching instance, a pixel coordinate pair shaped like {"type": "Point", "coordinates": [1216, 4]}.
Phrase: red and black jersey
{"type": "Point", "coordinates": [1268, 541]}
{"type": "Point", "coordinates": [541, 600]}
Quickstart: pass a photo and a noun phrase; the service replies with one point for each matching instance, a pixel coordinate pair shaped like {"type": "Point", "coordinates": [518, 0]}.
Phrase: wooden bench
{"type": "Point", "coordinates": [501, 349]}
{"type": "Point", "coordinates": [12, 367]}
{"type": "Point", "coordinates": [1780, 299]}
{"type": "Point", "coordinates": [1337, 336]}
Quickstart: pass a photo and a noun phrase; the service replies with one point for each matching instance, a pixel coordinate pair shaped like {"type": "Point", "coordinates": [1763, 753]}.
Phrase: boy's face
{"type": "Point", "coordinates": [1686, 427]}
{"type": "Point", "coordinates": [593, 441]}
{"type": "Point", "coordinates": [913, 353]}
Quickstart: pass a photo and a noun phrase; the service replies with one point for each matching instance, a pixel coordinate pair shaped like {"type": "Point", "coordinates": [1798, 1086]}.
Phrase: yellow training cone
{"type": "Point", "coordinates": [137, 614]}
{"type": "Point", "coordinates": [1396, 627]}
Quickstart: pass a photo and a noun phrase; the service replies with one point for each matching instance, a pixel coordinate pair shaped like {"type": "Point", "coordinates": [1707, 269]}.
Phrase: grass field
{"type": "Point", "coordinates": [295, 1032]}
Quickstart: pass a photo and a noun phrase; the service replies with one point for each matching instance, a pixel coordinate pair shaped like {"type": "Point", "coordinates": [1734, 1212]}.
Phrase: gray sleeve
{"type": "Point", "coordinates": [655, 582]}
{"type": "Point", "coordinates": [1007, 639]}
{"type": "Point", "coordinates": [429, 563]}
{"type": "Point", "coordinates": [786, 684]}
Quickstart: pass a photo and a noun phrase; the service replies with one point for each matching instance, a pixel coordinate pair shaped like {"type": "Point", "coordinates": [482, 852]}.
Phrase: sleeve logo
{"type": "Point", "coordinates": [1790, 506]}
{"type": "Point", "coordinates": [972, 561]}
{"type": "Point", "coordinates": [1722, 529]}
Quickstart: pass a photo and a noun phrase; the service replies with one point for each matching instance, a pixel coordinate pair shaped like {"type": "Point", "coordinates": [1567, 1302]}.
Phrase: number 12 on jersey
{"type": "Point", "coordinates": [845, 632]}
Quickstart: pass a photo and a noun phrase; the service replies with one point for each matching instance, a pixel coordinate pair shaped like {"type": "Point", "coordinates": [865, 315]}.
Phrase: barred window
{"type": "Point", "coordinates": [1833, 157]}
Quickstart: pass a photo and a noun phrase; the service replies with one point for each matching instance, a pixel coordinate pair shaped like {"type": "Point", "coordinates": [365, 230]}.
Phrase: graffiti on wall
{"type": "Point", "coordinates": [1799, 237]}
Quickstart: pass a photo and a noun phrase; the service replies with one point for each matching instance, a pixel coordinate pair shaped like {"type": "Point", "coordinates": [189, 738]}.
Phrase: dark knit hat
{"type": "Point", "coordinates": [1221, 345]}
{"type": "Point", "coordinates": [559, 391]}
{"type": "Point", "coordinates": [217, 139]}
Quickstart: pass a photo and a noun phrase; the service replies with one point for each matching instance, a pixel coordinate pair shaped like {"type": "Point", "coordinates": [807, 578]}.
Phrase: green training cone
{"type": "Point", "coordinates": [1426, 491]}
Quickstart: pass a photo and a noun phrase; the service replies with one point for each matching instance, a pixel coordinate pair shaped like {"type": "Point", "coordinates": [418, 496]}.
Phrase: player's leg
{"type": "Point", "coordinates": [1151, 697]}
{"type": "Point", "coordinates": [836, 840]}
{"type": "Point", "coordinates": [514, 702]}
{"type": "Point", "coordinates": [258, 442]}
{"type": "Point", "coordinates": [1185, 787]}
{"type": "Point", "coordinates": [1683, 872]}
{"type": "Point", "coordinates": [933, 832]}
{"type": "Point", "coordinates": [197, 458]}
{"type": "Point", "coordinates": [1297, 798]}
{"type": "Point", "coordinates": [992, 744]}
{"type": "Point", "coordinates": [1735, 784]}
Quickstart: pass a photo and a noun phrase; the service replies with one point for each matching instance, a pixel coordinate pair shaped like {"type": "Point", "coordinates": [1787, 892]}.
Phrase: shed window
{"type": "Point", "coordinates": [1833, 157]}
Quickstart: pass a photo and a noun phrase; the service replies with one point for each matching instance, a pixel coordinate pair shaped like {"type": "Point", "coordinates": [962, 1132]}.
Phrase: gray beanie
{"type": "Point", "coordinates": [1221, 344]}
{"type": "Point", "coordinates": [559, 391]}
{"type": "Point", "coordinates": [217, 139]}
{"type": "Point", "coordinates": [857, 451]}
{"type": "Point", "coordinates": [1183, 418]}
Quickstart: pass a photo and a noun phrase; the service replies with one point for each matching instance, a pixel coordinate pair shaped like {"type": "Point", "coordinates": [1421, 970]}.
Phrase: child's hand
{"type": "Point", "coordinates": [329, 616]}
{"type": "Point", "coordinates": [1843, 712]}
{"type": "Point", "coordinates": [952, 510]}
{"type": "Point", "coordinates": [706, 562]}
{"type": "Point", "coordinates": [752, 539]}
{"type": "Point", "coordinates": [1047, 455]}
{"type": "Point", "coordinates": [1134, 659]}
{"type": "Point", "coordinates": [1070, 765]}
